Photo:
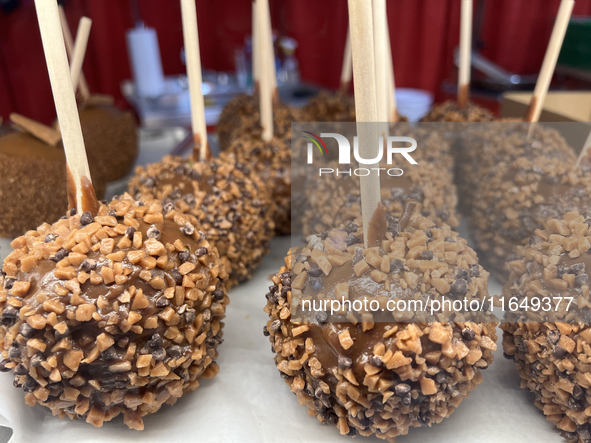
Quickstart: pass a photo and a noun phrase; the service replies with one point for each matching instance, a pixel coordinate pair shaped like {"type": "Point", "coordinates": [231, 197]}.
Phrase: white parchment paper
{"type": "Point", "coordinates": [249, 402]}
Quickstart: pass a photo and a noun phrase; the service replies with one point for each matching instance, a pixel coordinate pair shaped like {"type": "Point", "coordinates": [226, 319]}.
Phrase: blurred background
{"type": "Point", "coordinates": [309, 40]}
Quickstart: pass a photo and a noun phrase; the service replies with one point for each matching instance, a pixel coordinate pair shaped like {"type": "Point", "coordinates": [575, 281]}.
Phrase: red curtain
{"type": "Point", "coordinates": [423, 33]}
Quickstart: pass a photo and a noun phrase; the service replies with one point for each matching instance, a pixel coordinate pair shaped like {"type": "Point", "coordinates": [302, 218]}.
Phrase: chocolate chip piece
{"type": "Point", "coordinates": [59, 255]}
{"type": "Point", "coordinates": [559, 352]}
{"type": "Point", "coordinates": [441, 377]}
{"type": "Point", "coordinates": [316, 283]}
{"type": "Point", "coordinates": [396, 266]}
{"type": "Point", "coordinates": [426, 255]}
{"type": "Point", "coordinates": [459, 288]}
{"type": "Point", "coordinates": [376, 361]}
{"type": "Point", "coordinates": [8, 283]}
{"type": "Point", "coordinates": [87, 264]}
{"type": "Point", "coordinates": [344, 362]}
{"type": "Point", "coordinates": [474, 271]}
{"type": "Point", "coordinates": [109, 354]}
{"type": "Point", "coordinates": [578, 268]}
{"type": "Point", "coordinates": [86, 218]}
{"type": "Point", "coordinates": [352, 227]}
{"type": "Point", "coordinates": [315, 271]}
{"type": "Point", "coordinates": [449, 240]}
{"type": "Point", "coordinates": [321, 317]}
{"type": "Point", "coordinates": [554, 336]}
{"type": "Point", "coordinates": [72, 212]}
{"type": "Point", "coordinates": [462, 273]}
{"type": "Point", "coordinates": [159, 354]}
{"type": "Point", "coordinates": [9, 316]}
{"type": "Point", "coordinates": [424, 418]}
{"type": "Point", "coordinates": [20, 369]}
{"type": "Point", "coordinates": [26, 330]}
{"type": "Point", "coordinates": [188, 229]}
{"type": "Point", "coordinates": [535, 239]}
{"type": "Point", "coordinates": [275, 325]}
{"type": "Point", "coordinates": [3, 364]}
{"type": "Point", "coordinates": [301, 258]}
{"type": "Point", "coordinates": [184, 256]}
{"type": "Point", "coordinates": [30, 384]}
{"type": "Point", "coordinates": [169, 206]}
{"type": "Point", "coordinates": [129, 232]}
{"type": "Point", "coordinates": [218, 294]}
{"type": "Point", "coordinates": [190, 315]}
{"type": "Point", "coordinates": [581, 280]}
{"type": "Point", "coordinates": [357, 257]}
{"type": "Point", "coordinates": [468, 334]}
{"type": "Point", "coordinates": [175, 351]}
{"type": "Point", "coordinates": [50, 238]}
{"type": "Point", "coordinates": [562, 270]}
{"type": "Point", "coordinates": [14, 351]}
{"type": "Point", "coordinates": [352, 239]}
{"type": "Point", "coordinates": [199, 252]}
{"type": "Point", "coordinates": [402, 389]}
{"type": "Point", "coordinates": [162, 302]}
{"type": "Point", "coordinates": [156, 341]}
{"type": "Point", "coordinates": [578, 392]}
{"type": "Point", "coordinates": [266, 332]}
{"type": "Point", "coordinates": [36, 360]}
{"type": "Point", "coordinates": [178, 277]}
{"type": "Point", "coordinates": [154, 232]}
{"type": "Point", "coordinates": [508, 357]}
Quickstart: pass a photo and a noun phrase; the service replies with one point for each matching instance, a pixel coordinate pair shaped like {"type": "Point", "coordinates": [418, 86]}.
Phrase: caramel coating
{"type": "Point", "coordinates": [550, 347]}
{"type": "Point", "coordinates": [271, 161]}
{"type": "Point", "coordinates": [113, 314]}
{"type": "Point", "coordinates": [379, 378]}
{"type": "Point", "coordinates": [32, 171]}
{"type": "Point", "coordinates": [232, 205]}
{"type": "Point", "coordinates": [450, 111]}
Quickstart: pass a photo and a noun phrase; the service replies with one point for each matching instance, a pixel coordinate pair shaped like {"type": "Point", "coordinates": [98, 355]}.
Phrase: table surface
{"type": "Point", "coordinates": [252, 403]}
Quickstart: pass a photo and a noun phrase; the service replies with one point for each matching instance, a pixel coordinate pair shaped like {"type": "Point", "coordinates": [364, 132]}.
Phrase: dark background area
{"type": "Point", "coordinates": [423, 33]}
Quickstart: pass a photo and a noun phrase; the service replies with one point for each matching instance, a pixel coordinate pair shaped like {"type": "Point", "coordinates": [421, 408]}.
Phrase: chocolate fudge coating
{"type": "Point", "coordinates": [550, 348]}
{"type": "Point", "coordinates": [111, 141]}
{"type": "Point", "coordinates": [113, 314]}
{"type": "Point", "coordinates": [32, 183]}
{"type": "Point", "coordinates": [233, 206]}
{"type": "Point", "coordinates": [379, 378]}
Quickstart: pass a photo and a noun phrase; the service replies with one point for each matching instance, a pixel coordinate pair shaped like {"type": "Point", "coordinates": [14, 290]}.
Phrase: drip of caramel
{"type": "Point", "coordinates": [378, 226]}
{"type": "Point", "coordinates": [409, 208]}
{"type": "Point", "coordinates": [89, 201]}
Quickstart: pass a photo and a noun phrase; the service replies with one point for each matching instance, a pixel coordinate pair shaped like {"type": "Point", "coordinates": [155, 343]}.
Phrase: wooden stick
{"type": "Point", "coordinates": [360, 19]}
{"type": "Point", "coordinates": [381, 59]}
{"type": "Point", "coordinates": [79, 49]}
{"type": "Point", "coordinates": [255, 53]}
{"type": "Point", "coordinates": [201, 149]}
{"type": "Point", "coordinates": [81, 194]}
{"type": "Point", "coordinates": [347, 68]}
{"type": "Point", "coordinates": [268, 41]}
{"type": "Point", "coordinates": [547, 71]}
{"type": "Point", "coordinates": [44, 133]}
{"type": "Point", "coordinates": [265, 82]}
{"type": "Point", "coordinates": [82, 84]}
{"type": "Point", "coordinates": [465, 53]}
{"type": "Point", "coordinates": [392, 105]}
